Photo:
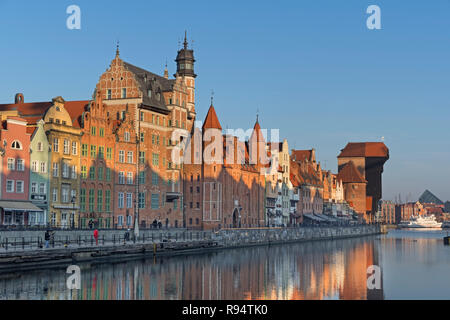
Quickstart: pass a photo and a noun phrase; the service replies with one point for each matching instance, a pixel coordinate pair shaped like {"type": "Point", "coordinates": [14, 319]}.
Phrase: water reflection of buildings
{"type": "Point", "coordinates": [319, 270]}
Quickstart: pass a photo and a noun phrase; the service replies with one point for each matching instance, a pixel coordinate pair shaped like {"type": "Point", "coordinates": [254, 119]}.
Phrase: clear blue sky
{"type": "Point", "coordinates": [311, 67]}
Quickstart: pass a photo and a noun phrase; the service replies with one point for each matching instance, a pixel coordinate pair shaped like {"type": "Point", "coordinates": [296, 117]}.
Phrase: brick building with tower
{"type": "Point", "coordinates": [361, 165]}
{"type": "Point", "coordinates": [225, 187]}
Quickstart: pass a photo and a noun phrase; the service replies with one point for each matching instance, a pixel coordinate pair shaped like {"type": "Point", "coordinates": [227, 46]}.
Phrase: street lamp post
{"type": "Point", "coordinates": [73, 213]}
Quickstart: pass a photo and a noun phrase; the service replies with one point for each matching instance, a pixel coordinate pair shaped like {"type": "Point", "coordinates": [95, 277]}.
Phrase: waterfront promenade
{"type": "Point", "coordinates": [74, 248]}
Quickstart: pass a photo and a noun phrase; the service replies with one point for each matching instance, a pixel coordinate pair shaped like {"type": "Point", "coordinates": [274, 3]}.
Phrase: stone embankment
{"type": "Point", "coordinates": [73, 249]}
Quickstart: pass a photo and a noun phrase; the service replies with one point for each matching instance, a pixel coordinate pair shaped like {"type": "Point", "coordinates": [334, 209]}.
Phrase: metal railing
{"type": "Point", "coordinates": [8, 244]}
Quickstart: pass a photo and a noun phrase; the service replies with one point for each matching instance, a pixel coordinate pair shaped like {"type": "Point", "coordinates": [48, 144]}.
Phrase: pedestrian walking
{"type": "Point", "coordinates": [47, 238]}
{"type": "Point", "coordinates": [96, 237]}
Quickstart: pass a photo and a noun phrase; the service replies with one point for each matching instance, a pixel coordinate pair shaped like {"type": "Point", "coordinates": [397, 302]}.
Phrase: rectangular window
{"type": "Point", "coordinates": [100, 200]}
{"type": "Point", "coordinates": [34, 187]}
{"type": "Point", "coordinates": [108, 174]}
{"type": "Point", "coordinates": [11, 164]}
{"type": "Point", "coordinates": [65, 170]}
{"type": "Point", "coordinates": [66, 146]}
{"type": "Point", "coordinates": [92, 173]}
{"type": "Point", "coordinates": [142, 177]}
{"type": "Point", "coordinates": [101, 152]}
{"type": "Point", "coordinates": [141, 157]}
{"type": "Point", "coordinates": [74, 172]}
{"type": "Point", "coordinates": [129, 220]}
{"type": "Point", "coordinates": [155, 201]}
{"type": "Point", "coordinates": [129, 177]}
{"type": "Point", "coordinates": [126, 136]}
{"type": "Point", "coordinates": [141, 117]}
{"type": "Point", "coordinates": [155, 159]}
{"type": "Point", "coordinates": [109, 153]}
{"type": "Point", "coordinates": [142, 136]}
{"type": "Point", "coordinates": [93, 151]}
{"type": "Point", "coordinates": [74, 148]}
{"type": "Point", "coordinates": [130, 157]}
{"type": "Point", "coordinates": [34, 166]}
{"type": "Point", "coordinates": [141, 200]}
{"type": "Point", "coordinates": [129, 200]}
{"type": "Point", "coordinates": [83, 200]}
{"type": "Point", "coordinates": [43, 167]}
{"type": "Point", "coordinates": [108, 200]}
{"type": "Point", "coordinates": [121, 177]}
{"type": "Point", "coordinates": [20, 165]}
{"type": "Point", "coordinates": [121, 156]}
{"type": "Point", "coordinates": [55, 145]}
{"type": "Point", "coordinates": [124, 93]}
{"type": "Point", "coordinates": [93, 131]}
{"type": "Point", "coordinates": [83, 172]}
{"type": "Point", "coordinates": [108, 94]}
{"type": "Point", "coordinates": [155, 179]}
{"type": "Point", "coordinates": [120, 221]}
{"type": "Point", "coordinates": [84, 150]}
{"type": "Point", "coordinates": [65, 193]}
{"type": "Point", "coordinates": [55, 169]}
{"type": "Point", "coordinates": [120, 200]}
{"type": "Point", "coordinates": [100, 173]}
{"type": "Point", "coordinates": [101, 132]}
{"type": "Point", "coordinates": [42, 188]}
{"type": "Point", "coordinates": [91, 200]}
{"type": "Point", "coordinates": [9, 186]}
{"type": "Point", "coordinates": [55, 195]}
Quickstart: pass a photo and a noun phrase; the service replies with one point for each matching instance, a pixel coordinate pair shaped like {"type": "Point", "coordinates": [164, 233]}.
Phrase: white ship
{"type": "Point", "coordinates": [421, 222]}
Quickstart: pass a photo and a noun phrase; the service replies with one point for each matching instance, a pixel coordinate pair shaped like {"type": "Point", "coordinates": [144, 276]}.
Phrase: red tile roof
{"type": "Point", "coordinates": [365, 149]}
{"type": "Point", "coordinates": [349, 174]}
{"type": "Point", "coordinates": [76, 109]}
{"type": "Point", "coordinates": [302, 155]}
{"type": "Point", "coordinates": [211, 120]}
{"type": "Point", "coordinates": [258, 132]}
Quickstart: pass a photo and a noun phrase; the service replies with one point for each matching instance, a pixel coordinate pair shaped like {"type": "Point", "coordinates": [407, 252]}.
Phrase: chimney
{"type": "Point", "coordinates": [19, 98]}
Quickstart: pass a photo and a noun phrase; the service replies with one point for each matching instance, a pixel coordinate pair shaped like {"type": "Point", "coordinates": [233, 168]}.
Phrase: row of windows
{"type": "Point", "coordinates": [106, 206]}
{"type": "Point", "coordinates": [40, 188]}
{"type": "Point", "coordinates": [123, 93]}
{"type": "Point", "coordinates": [37, 166]}
{"type": "Point", "coordinates": [67, 172]}
{"type": "Point", "coordinates": [94, 153]}
{"type": "Point", "coordinates": [14, 165]}
{"type": "Point", "coordinates": [67, 195]}
{"type": "Point", "coordinates": [18, 184]}
{"type": "Point", "coordinates": [92, 173]}
{"type": "Point", "coordinates": [67, 146]}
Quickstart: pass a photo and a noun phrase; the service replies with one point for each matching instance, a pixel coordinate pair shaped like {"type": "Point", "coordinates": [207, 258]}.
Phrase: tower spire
{"type": "Point", "coordinates": [117, 49]}
{"type": "Point", "coordinates": [185, 39]}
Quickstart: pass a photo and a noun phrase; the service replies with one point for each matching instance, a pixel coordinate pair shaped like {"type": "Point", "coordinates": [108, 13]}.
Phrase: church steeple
{"type": "Point", "coordinates": [185, 60]}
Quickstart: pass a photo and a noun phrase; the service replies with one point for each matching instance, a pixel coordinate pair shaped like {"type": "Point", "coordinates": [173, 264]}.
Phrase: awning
{"type": "Point", "coordinates": [312, 217]}
{"type": "Point", "coordinates": [19, 206]}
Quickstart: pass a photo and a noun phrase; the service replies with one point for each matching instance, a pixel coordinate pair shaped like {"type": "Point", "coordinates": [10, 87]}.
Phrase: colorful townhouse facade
{"type": "Point", "coordinates": [39, 173]}
{"type": "Point", "coordinates": [16, 209]}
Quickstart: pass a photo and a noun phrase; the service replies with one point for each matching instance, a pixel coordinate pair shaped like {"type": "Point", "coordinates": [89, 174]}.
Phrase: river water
{"type": "Point", "coordinates": [413, 264]}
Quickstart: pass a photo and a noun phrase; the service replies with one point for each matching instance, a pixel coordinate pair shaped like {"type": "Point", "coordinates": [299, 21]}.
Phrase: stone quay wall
{"type": "Point", "coordinates": [163, 243]}
{"type": "Point", "coordinates": [248, 237]}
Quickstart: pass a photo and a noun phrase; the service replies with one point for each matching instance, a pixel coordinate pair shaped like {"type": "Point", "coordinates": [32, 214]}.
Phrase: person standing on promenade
{"type": "Point", "coordinates": [96, 237]}
{"type": "Point", "coordinates": [47, 238]}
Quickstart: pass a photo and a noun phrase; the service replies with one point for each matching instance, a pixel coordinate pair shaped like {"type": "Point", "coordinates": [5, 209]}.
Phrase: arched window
{"type": "Point", "coordinates": [16, 145]}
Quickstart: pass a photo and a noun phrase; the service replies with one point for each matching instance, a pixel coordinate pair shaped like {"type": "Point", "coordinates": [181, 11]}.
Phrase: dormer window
{"type": "Point", "coordinates": [158, 96]}
{"type": "Point", "coordinates": [149, 93]}
{"type": "Point", "coordinates": [58, 109]}
{"type": "Point", "coordinates": [16, 145]}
